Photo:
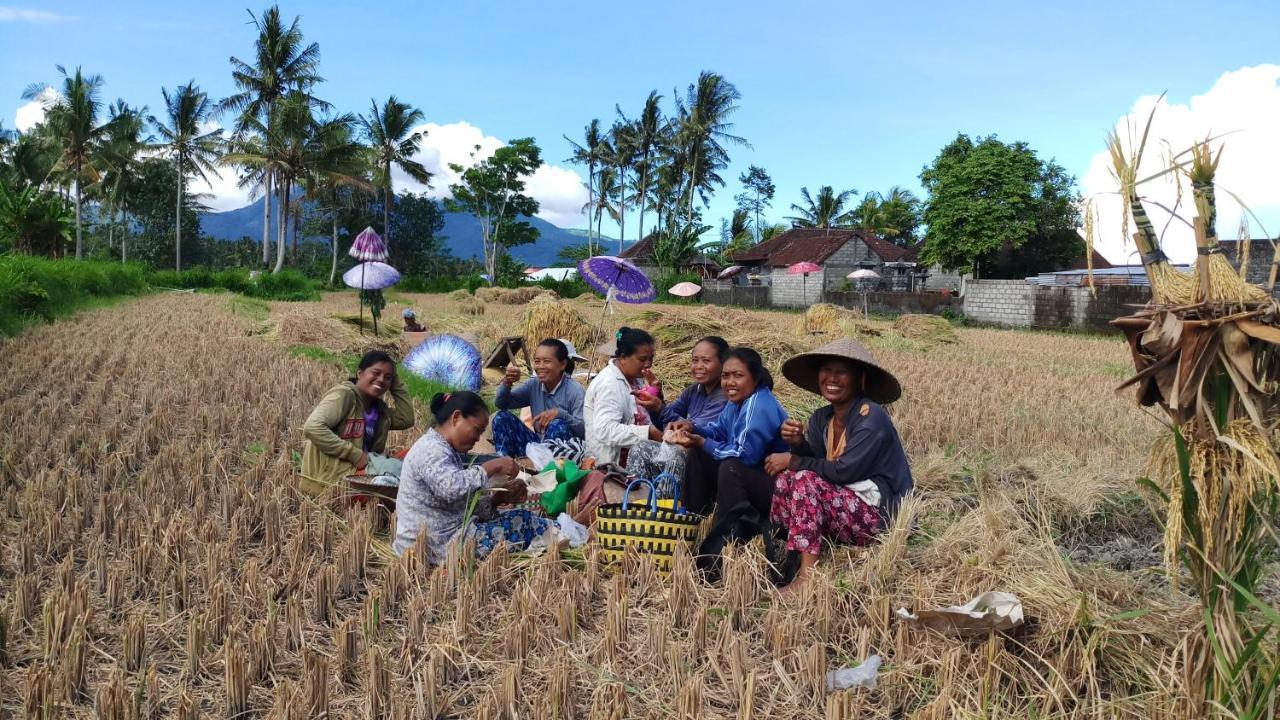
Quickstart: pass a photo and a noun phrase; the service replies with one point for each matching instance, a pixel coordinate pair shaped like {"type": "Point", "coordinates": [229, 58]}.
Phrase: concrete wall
{"type": "Point", "coordinates": [1260, 257]}
{"type": "Point", "coordinates": [796, 290]}
{"type": "Point", "coordinates": [897, 303]}
{"type": "Point", "coordinates": [1018, 304]}
{"type": "Point", "coordinates": [939, 279]}
{"type": "Point", "coordinates": [1004, 302]}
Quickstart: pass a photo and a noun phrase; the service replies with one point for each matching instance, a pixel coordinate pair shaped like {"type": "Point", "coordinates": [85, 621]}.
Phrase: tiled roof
{"type": "Point", "coordinates": [1099, 263]}
{"type": "Point", "coordinates": [813, 245]}
{"type": "Point", "coordinates": [642, 250]}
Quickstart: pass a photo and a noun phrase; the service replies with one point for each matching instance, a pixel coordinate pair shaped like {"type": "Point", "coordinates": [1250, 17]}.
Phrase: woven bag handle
{"type": "Point", "coordinates": [675, 494]}
{"type": "Point", "coordinates": [653, 494]}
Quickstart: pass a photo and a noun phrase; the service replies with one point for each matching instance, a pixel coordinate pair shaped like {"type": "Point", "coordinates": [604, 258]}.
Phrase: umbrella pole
{"type": "Point", "coordinates": [604, 311]}
{"type": "Point", "coordinates": [361, 293]}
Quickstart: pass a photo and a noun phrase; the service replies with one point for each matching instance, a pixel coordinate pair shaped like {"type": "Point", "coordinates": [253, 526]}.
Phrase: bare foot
{"type": "Point", "coordinates": [793, 591]}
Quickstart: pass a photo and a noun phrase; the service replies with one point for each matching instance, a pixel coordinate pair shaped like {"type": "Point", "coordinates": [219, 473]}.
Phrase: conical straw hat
{"type": "Point", "coordinates": [881, 386]}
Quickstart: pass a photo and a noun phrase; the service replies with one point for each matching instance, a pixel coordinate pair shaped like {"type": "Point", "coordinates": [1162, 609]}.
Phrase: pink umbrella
{"type": "Point", "coordinates": [804, 268]}
{"type": "Point", "coordinates": [685, 289]}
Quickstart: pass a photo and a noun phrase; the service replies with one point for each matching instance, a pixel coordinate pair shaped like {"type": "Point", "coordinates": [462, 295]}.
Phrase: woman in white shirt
{"type": "Point", "coordinates": [610, 406]}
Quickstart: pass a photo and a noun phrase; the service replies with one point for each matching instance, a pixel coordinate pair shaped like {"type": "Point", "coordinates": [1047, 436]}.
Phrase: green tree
{"type": "Point", "coordinates": [648, 135]}
{"type": "Point", "coordinates": [704, 130]}
{"type": "Point", "coordinates": [622, 141]}
{"type": "Point", "coordinates": [151, 212]}
{"type": "Point", "coordinates": [334, 160]}
{"type": "Point", "coordinates": [676, 248]}
{"type": "Point", "coordinates": [389, 131]}
{"type": "Point", "coordinates": [998, 209]}
{"type": "Point", "coordinates": [901, 210]}
{"type": "Point", "coordinates": [71, 116]}
{"type": "Point", "coordinates": [869, 217]}
{"type": "Point", "coordinates": [592, 154]}
{"type": "Point", "coordinates": [735, 234]}
{"type": "Point", "coordinates": [281, 64]}
{"type": "Point", "coordinates": [417, 221]}
{"type": "Point", "coordinates": [33, 221]}
{"type": "Point", "coordinates": [192, 147]}
{"type": "Point", "coordinates": [757, 193]}
{"type": "Point", "coordinates": [492, 190]}
{"type": "Point", "coordinates": [29, 160]}
{"type": "Point", "coordinates": [826, 210]}
{"type": "Point", "coordinates": [573, 254]}
{"type": "Point", "coordinates": [772, 231]}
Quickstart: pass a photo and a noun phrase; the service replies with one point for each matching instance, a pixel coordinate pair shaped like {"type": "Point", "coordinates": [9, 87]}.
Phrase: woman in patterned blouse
{"type": "Point", "coordinates": [437, 486]}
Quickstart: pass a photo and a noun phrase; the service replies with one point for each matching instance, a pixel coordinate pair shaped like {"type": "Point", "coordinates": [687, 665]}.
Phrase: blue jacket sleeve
{"type": "Point", "coordinates": [757, 424]}
{"type": "Point", "coordinates": [716, 429]}
{"type": "Point", "coordinates": [509, 398]}
{"type": "Point", "coordinates": [675, 410]}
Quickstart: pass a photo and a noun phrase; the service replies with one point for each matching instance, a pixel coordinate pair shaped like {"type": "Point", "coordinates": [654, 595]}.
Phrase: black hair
{"type": "Point", "coordinates": [371, 358]}
{"type": "Point", "coordinates": [720, 344]}
{"type": "Point", "coordinates": [630, 340]}
{"type": "Point", "coordinates": [562, 354]}
{"type": "Point", "coordinates": [466, 402]}
{"type": "Point", "coordinates": [754, 364]}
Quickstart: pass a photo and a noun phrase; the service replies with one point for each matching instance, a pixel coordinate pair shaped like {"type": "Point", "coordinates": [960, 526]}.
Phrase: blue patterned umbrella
{"type": "Point", "coordinates": [448, 360]}
{"type": "Point", "coordinates": [371, 276]}
{"type": "Point", "coordinates": [614, 277]}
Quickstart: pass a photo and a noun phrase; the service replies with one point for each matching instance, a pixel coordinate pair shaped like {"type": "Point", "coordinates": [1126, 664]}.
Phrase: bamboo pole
{"type": "Point", "coordinates": [1202, 258]}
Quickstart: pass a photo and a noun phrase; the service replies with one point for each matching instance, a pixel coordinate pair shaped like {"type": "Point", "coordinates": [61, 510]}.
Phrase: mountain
{"type": "Point", "coordinates": [461, 233]}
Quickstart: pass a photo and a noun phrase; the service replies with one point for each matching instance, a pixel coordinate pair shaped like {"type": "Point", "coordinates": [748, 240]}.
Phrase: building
{"type": "Point", "coordinates": [1261, 254]}
{"type": "Point", "coordinates": [641, 255]}
{"type": "Point", "coordinates": [836, 252]}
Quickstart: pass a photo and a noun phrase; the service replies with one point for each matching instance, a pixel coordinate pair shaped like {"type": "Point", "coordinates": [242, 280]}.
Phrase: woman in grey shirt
{"type": "Point", "coordinates": [437, 487]}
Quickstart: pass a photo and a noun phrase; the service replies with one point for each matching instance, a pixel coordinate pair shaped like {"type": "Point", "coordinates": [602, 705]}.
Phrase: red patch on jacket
{"type": "Point", "coordinates": [352, 430]}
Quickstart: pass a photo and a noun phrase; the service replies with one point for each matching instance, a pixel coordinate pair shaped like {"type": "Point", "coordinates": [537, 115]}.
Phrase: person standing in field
{"type": "Point", "coordinates": [449, 499]}
{"type": "Point", "coordinates": [726, 456]}
{"type": "Point", "coordinates": [347, 431]}
{"type": "Point", "coordinates": [552, 395]}
{"type": "Point", "coordinates": [700, 403]}
{"type": "Point", "coordinates": [845, 475]}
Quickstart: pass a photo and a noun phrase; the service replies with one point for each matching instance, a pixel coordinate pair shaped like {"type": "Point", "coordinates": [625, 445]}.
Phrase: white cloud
{"type": "Point", "coordinates": [559, 191]}
{"type": "Point", "coordinates": [1242, 107]}
{"type": "Point", "coordinates": [32, 113]}
{"type": "Point", "coordinates": [14, 14]}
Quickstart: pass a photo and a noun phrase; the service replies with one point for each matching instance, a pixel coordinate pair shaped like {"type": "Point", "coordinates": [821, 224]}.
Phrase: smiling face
{"type": "Point", "coordinates": [736, 380]}
{"type": "Point", "coordinates": [705, 366]}
{"type": "Point", "coordinates": [463, 432]}
{"type": "Point", "coordinates": [546, 367]}
{"type": "Point", "coordinates": [374, 381]}
{"type": "Point", "coordinates": [634, 365]}
{"type": "Point", "coordinates": [838, 381]}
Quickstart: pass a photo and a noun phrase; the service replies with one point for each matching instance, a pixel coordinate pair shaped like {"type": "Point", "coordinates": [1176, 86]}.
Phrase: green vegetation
{"type": "Point", "coordinates": [39, 290]}
{"type": "Point", "coordinates": [288, 285]}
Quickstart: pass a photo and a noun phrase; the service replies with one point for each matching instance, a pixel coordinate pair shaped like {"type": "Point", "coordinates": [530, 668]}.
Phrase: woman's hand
{"type": "Point", "coordinates": [654, 433]}
{"type": "Point", "coordinates": [363, 461]}
{"type": "Point", "coordinates": [511, 375]}
{"type": "Point", "coordinates": [544, 418]}
{"type": "Point", "coordinates": [650, 378]}
{"type": "Point", "coordinates": [688, 440]}
{"type": "Point", "coordinates": [683, 426]}
{"type": "Point", "coordinates": [777, 463]}
{"type": "Point", "coordinates": [792, 433]}
{"type": "Point", "coordinates": [504, 466]}
{"type": "Point", "coordinates": [648, 402]}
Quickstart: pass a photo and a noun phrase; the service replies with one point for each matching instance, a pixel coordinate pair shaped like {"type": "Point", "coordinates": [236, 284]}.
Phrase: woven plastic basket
{"type": "Point", "coordinates": [649, 528]}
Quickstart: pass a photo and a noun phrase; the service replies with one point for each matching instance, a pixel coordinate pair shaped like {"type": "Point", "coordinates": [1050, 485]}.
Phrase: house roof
{"type": "Point", "coordinates": [1099, 263]}
{"type": "Point", "coordinates": [813, 245]}
{"type": "Point", "coordinates": [642, 250]}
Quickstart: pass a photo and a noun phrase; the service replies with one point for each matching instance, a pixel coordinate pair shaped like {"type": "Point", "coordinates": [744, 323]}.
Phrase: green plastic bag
{"type": "Point", "coordinates": [568, 480]}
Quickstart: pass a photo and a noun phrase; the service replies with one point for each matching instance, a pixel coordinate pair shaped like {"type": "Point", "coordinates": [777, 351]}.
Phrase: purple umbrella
{"type": "Point", "coordinates": [614, 277]}
{"type": "Point", "coordinates": [371, 276]}
{"type": "Point", "coordinates": [368, 247]}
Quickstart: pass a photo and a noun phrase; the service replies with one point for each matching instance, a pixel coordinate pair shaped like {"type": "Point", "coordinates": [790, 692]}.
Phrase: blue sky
{"type": "Point", "coordinates": [850, 94]}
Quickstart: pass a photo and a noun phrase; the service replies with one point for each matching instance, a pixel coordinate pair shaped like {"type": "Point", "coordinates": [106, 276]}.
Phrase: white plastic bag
{"type": "Point", "coordinates": [990, 611]}
{"type": "Point", "coordinates": [539, 454]}
{"type": "Point", "coordinates": [574, 531]}
{"type": "Point", "coordinates": [863, 676]}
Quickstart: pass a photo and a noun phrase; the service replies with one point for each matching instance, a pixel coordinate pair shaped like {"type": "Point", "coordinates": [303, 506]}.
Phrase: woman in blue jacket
{"type": "Point", "coordinates": [726, 457]}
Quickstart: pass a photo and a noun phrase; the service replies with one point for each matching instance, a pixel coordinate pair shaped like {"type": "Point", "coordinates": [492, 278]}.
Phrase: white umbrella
{"type": "Point", "coordinates": [864, 274]}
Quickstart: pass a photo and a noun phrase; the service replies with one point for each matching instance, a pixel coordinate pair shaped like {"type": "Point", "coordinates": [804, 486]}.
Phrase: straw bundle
{"type": "Point", "coordinates": [469, 305]}
{"type": "Point", "coordinates": [828, 319]}
{"type": "Point", "coordinates": [547, 317]}
{"type": "Point", "coordinates": [931, 328]}
{"type": "Point", "coordinates": [1214, 280]}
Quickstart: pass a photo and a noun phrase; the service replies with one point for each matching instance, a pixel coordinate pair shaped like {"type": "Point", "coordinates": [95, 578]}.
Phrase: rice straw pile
{"type": "Point", "coordinates": [513, 296]}
{"type": "Point", "coordinates": [548, 317]}
{"type": "Point", "coordinates": [469, 305]}
{"type": "Point", "coordinates": [931, 328]}
{"type": "Point", "coordinates": [828, 319]}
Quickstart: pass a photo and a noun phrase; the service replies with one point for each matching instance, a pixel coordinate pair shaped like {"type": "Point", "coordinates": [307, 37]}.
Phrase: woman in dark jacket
{"type": "Point", "coordinates": [846, 473]}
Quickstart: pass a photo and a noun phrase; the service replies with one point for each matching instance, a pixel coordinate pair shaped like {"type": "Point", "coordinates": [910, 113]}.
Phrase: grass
{"type": "Point", "coordinates": [35, 290]}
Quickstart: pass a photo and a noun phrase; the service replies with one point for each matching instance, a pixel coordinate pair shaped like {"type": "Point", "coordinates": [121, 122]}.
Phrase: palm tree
{"type": "Point", "coordinates": [606, 190]}
{"type": "Point", "coordinates": [589, 153]}
{"type": "Point", "coordinates": [336, 160]}
{"type": "Point", "coordinates": [390, 132]}
{"type": "Point", "coordinates": [72, 117]}
{"type": "Point", "coordinates": [623, 156]}
{"type": "Point", "coordinates": [120, 159]}
{"type": "Point", "coordinates": [648, 136]}
{"type": "Point", "coordinates": [193, 148]}
{"type": "Point", "coordinates": [704, 128]}
{"type": "Point", "coordinates": [827, 210]}
{"type": "Point", "coordinates": [869, 216]}
{"type": "Point", "coordinates": [280, 65]}
{"type": "Point", "coordinates": [769, 232]}
{"type": "Point", "coordinates": [901, 208]}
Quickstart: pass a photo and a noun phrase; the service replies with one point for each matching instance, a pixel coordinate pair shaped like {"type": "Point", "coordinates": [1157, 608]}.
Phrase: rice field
{"type": "Point", "coordinates": [157, 559]}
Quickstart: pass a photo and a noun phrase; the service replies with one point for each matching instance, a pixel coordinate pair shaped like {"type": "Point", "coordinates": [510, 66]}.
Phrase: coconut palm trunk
{"type": "Point", "coordinates": [177, 238]}
{"type": "Point", "coordinates": [386, 207]}
{"type": "Point", "coordinates": [266, 216]}
{"type": "Point", "coordinates": [333, 266]}
{"type": "Point", "coordinates": [282, 213]}
{"type": "Point", "coordinates": [622, 207]}
{"type": "Point", "coordinates": [79, 236]}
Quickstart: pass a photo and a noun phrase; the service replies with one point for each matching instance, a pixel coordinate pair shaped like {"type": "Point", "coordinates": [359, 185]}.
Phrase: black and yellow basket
{"type": "Point", "coordinates": [651, 529]}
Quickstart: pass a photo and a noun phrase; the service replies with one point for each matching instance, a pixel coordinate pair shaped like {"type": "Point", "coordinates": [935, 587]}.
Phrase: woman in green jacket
{"type": "Point", "coordinates": [348, 430]}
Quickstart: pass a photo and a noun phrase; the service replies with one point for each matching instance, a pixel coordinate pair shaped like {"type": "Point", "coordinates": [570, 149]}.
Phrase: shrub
{"type": "Point", "coordinates": [34, 289]}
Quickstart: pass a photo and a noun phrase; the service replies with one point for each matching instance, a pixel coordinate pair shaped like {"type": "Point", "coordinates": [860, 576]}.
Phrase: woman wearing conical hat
{"type": "Point", "coordinates": [846, 472]}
